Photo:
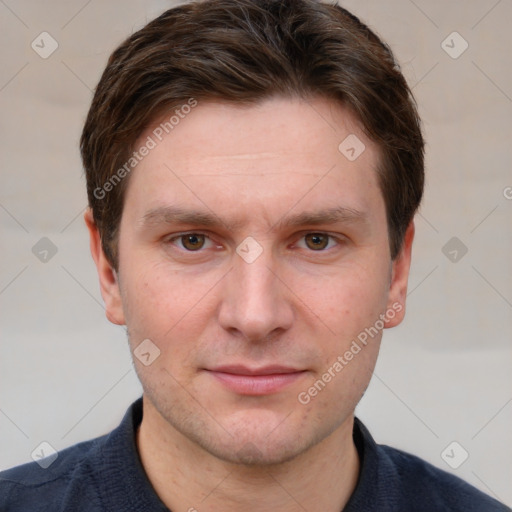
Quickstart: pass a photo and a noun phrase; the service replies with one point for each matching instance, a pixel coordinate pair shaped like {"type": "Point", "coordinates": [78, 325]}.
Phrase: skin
{"type": "Point", "coordinates": [203, 445]}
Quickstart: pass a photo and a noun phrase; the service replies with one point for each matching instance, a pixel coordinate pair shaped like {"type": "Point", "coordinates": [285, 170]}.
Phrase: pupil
{"type": "Point", "coordinates": [193, 241]}
{"type": "Point", "coordinates": [318, 241]}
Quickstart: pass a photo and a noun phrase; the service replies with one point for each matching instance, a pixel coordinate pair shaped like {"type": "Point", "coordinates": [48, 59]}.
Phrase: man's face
{"type": "Point", "coordinates": [245, 327]}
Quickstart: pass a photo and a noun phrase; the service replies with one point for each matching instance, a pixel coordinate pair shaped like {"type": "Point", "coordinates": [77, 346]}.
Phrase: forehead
{"type": "Point", "coordinates": [280, 154]}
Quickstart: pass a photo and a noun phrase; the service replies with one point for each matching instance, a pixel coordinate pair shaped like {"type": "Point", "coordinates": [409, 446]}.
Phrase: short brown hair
{"type": "Point", "coordinates": [244, 51]}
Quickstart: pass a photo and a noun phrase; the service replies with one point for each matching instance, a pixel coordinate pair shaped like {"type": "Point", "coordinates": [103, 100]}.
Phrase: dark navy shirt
{"type": "Point", "coordinates": [105, 475]}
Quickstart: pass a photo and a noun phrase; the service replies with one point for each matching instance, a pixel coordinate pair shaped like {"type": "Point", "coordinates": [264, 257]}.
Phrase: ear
{"type": "Point", "coordinates": [109, 283]}
{"type": "Point", "coordinates": [399, 277]}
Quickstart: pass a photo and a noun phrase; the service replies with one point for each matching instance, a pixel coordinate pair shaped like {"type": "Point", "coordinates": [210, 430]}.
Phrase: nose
{"type": "Point", "coordinates": [256, 303]}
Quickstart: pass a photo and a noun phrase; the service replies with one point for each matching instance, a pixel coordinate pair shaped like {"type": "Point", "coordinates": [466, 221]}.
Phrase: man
{"type": "Point", "coordinates": [253, 169]}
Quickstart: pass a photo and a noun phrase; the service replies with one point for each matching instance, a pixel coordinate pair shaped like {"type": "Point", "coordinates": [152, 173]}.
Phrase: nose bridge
{"type": "Point", "coordinates": [254, 303]}
{"type": "Point", "coordinates": [254, 280]}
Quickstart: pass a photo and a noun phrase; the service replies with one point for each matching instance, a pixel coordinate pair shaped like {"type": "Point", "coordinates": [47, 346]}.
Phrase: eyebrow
{"type": "Point", "coordinates": [178, 215]}
{"type": "Point", "coordinates": [339, 214]}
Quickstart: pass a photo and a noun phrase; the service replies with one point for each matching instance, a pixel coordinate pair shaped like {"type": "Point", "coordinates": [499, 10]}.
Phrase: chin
{"type": "Point", "coordinates": [258, 439]}
{"type": "Point", "coordinates": [244, 435]}
{"type": "Point", "coordinates": [255, 453]}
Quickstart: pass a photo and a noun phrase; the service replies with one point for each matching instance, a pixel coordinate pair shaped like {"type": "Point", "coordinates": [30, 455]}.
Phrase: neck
{"type": "Point", "coordinates": [188, 478]}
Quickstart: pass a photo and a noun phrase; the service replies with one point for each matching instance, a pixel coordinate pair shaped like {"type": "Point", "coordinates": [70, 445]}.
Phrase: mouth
{"type": "Point", "coordinates": [265, 380]}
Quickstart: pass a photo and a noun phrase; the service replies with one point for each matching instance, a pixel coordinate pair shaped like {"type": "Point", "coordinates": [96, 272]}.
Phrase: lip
{"type": "Point", "coordinates": [265, 380]}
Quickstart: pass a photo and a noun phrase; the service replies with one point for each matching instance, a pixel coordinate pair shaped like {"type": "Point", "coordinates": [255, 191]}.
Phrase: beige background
{"type": "Point", "coordinates": [444, 375]}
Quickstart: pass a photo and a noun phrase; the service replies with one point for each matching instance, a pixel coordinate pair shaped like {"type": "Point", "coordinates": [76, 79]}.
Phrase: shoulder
{"type": "Point", "coordinates": [427, 487]}
{"type": "Point", "coordinates": [392, 480]}
{"type": "Point", "coordinates": [101, 474]}
{"type": "Point", "coordinates": [37, 486]}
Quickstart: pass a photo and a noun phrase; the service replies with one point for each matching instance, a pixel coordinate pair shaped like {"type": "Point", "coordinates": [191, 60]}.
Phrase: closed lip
{"type": "Point", "coordinates": [264, 380]}
{"type": "Point", "coordinates": [247, 371]}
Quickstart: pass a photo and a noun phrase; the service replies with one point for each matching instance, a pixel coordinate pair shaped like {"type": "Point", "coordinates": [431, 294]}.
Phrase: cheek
{"type": "Point", "coordinates": [167, 306]}
{"type": "Point", "coordinates": [349, 300]}
{"type": "Point", "coordinates": [351, 308]}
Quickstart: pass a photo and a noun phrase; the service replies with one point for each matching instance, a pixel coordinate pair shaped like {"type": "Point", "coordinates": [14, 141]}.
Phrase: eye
{"type": "Point", "coordinates": [318, 241]}
{"type": "Point", "coordinates": [191, 242]}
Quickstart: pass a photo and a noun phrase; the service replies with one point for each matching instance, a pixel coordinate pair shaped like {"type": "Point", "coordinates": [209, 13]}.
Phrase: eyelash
{"type": "Point", "coordinates": [338, 240]}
